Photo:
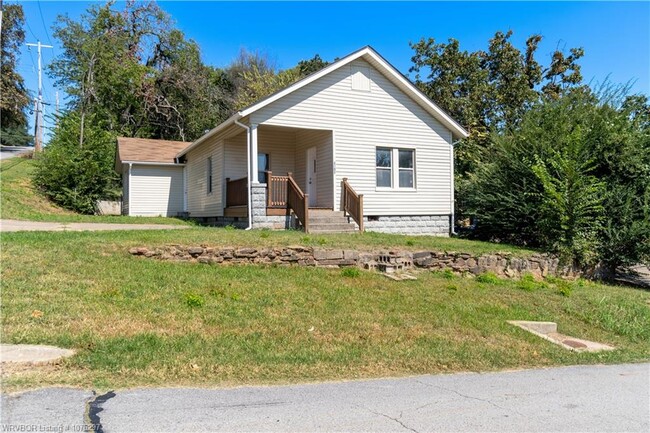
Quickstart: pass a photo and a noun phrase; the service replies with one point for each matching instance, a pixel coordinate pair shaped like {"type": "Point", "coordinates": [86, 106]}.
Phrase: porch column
{"type": "Point", "coordinates": [254, 174]}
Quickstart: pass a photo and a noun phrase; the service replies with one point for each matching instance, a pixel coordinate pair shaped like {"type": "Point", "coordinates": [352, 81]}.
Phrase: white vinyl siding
{"type": "Point", "coordinates": [200, 204]}
{"type": "Point", "coordinates": [361, 122]}
{"type": "Point", "coordinates": [155, 190]}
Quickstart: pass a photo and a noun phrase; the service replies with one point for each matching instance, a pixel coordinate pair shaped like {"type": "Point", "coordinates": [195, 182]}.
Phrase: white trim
{"type": "Point", "coordinates": [130, 188]}
{"type": "Point", "coordinates": [169, 164]}
{"type": "Point", "coordinates": [333, 168]}
{"type": "Point", "coordinates": [254, 152]}
{"type": "Point", "coordinates": [184, 189]}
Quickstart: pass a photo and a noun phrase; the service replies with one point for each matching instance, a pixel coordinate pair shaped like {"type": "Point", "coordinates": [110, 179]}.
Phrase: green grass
{"type": "Point", "coordinates": [140, 322]}
{"type": "Point", "coordinates": [19, 200]}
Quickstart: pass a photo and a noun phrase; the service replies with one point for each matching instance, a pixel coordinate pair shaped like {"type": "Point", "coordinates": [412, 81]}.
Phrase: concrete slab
{"type": "Point", "coordinates": [548, 331]}
{"type": "Point", "coordinates": [30, 353]}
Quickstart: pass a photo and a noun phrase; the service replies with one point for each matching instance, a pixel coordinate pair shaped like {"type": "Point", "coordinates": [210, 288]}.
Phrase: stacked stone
{"type": "Point", "coordinates": [503, 264]}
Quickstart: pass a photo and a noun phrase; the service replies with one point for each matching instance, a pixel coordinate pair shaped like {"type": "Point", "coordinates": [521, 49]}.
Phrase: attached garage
{"type": "Point", "coordinates": [152, 182]}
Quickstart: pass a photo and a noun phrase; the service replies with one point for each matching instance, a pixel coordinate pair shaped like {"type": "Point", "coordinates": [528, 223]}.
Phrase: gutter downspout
{"type": "Point", "coordinates": [452, 224]}
{"type": "Point", "coordinates": [248, 159]}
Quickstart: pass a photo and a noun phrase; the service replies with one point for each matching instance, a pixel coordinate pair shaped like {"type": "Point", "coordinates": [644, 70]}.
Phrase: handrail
{"type": "Point", "coordinates": [298, 202]}
{"type": "Point", "coordinates": [277, 188]}
{"type": "Point", "coordinates": [236, 192]}
{"type": "Point", "coordinates": [352, 203]}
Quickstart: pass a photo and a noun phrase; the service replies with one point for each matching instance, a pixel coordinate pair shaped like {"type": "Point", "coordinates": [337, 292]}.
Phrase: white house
{"type": "Point", "coordinates": [353, 146]}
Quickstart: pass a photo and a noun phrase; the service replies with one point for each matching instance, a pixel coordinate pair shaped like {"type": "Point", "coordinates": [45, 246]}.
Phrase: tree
{"type": "Point", "coordinates": [489, 91]}
{"type": "Point", "coordinates": [137, 73]}
{"type": "Point", "coordinates": [308, 67]}
{"type": "Point", "coordinates": [14, 98]}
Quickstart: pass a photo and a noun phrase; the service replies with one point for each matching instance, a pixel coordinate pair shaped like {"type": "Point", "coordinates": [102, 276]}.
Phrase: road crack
{"type": "Point", "coordinates": [93, 408]}
{"type": "Point", "coordinates": [397, 420]}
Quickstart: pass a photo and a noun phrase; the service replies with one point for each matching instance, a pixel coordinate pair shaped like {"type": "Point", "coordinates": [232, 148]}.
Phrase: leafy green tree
{"type": "Point", "coordinates": [489, 91]}
{"type": "Point", "coordinates": [137, 73]}
{"type": "Point", "coordinates": [77, 176]}
{"type": "Point", "coordinates": [14, 98]}
{"type": "Point", "coordinates": [257, 84]}
{"type": "Point", "coordinates": [308, 67]}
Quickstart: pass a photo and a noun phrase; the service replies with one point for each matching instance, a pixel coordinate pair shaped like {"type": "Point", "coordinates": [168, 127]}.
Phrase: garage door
{"type": "Point", "coordinates": [156, 190]}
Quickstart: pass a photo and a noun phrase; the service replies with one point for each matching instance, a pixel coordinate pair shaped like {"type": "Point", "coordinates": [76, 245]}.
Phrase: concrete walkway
{"type": "Point", "coordinates": [45, 226]}
{"type": "Point", "coordinates": [568, 399]}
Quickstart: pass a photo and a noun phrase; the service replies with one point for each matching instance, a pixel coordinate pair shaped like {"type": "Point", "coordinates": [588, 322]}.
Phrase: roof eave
{"type": "Point", "coordinates": [223, 125]}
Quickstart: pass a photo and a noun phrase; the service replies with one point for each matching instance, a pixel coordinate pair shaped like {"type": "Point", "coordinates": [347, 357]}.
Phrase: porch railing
{"type": "Point", "coordinates": [276, 190]}
{"type": "Point", "coordinates": [352, 203]}
{"type": "Point", "coordinates": [236, 192]}
{"type": "Point", "coordinates": [298, 201]}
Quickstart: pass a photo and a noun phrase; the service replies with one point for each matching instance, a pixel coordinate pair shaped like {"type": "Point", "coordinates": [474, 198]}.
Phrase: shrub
{"type": "Point", "coordinates": [75, 175]}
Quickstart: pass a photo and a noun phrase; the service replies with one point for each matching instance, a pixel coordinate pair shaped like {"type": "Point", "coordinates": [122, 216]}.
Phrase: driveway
{"type": "Point", "coordinates": [581, 398]}
{"type": "Point", "coordinates": [42, 226]}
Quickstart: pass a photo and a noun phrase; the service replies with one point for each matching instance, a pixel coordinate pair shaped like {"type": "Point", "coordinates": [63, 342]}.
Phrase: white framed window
{"type": "Point", "coordinates": [208, 175]}
{"type": "Point", "coordinates": [395, 168]}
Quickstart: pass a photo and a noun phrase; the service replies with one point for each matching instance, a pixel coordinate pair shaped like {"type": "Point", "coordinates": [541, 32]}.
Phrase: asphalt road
{"type": "Point", "coordinates": [7, 152]}
{"type": "Point", "coordinates": [582, 398]}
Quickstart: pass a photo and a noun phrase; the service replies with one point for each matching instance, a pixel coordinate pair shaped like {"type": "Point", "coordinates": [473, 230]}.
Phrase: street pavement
{"type": "Point", "coordinates": [45, 226]}
{"type": "Point", "coordinates": [7, 152]}
{"type": "Point", "coordinates": [567, 399]}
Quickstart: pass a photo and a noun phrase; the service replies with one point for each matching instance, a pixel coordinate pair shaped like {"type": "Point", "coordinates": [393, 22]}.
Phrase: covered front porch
{"type": "Point", "coordinates": [292, 173]}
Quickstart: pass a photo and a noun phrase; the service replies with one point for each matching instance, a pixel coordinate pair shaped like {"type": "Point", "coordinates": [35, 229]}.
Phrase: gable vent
{"type": "Point", "coordinates": [360, 78]}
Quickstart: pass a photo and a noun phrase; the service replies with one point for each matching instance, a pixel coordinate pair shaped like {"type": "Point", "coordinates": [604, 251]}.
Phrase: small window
{"type": "Point", "coordinates": [208, 175]}
{"type": "Point", "coordinates": [262, 167]}
{"type": "Point", "coordinates": [405, 168]}
{"type": "Point", "coordinates": [384, 167]}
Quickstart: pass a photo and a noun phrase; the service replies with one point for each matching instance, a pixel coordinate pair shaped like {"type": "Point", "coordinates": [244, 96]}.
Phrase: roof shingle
{"type": "Point", "coordinates": [148, 150]}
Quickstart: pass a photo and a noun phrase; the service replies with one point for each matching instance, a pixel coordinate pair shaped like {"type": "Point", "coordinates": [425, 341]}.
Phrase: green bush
{"type": "Point", "coordinates": [572, 178]}
{"type": "Point", "coordinates": [75, 175]}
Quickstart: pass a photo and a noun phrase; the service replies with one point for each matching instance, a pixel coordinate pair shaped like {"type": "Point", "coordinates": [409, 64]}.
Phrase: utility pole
{"type": "Point", "coordinates": [38, 124]}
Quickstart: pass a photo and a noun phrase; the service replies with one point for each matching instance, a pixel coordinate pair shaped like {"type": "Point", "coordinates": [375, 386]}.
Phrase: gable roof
{"type": "Point", "coordinates": [368, 54]}
{"type": "Point", "coordinates": [148, 150]}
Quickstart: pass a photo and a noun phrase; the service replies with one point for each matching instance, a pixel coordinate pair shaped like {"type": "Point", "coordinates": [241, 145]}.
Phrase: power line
{"type": "Point", "coordinates": [43, 21]}
{"type": "Point", "coordinates": [30, 29]}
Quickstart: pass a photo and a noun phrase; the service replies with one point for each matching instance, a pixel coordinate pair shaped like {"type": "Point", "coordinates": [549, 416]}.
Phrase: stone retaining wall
{"type": "Point", "coordinates": [503, 264]}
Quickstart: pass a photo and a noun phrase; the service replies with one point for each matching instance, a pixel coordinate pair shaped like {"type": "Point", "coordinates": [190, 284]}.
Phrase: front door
{"type": "Point", "coordinates": [312, 176]}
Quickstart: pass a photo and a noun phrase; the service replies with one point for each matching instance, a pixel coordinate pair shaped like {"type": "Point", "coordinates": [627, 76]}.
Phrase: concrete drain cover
{"type": "Point", "coordinates": [548, 331]}
{"type": "Point", "coordinates": [30, 353]}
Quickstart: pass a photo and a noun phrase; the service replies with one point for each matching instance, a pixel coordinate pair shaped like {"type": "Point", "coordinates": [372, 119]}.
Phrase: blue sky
{"type": "Point", "coordinates": [614, 35]}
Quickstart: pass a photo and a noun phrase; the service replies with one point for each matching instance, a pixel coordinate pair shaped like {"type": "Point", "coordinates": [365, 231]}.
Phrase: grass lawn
{"type": "Point", "coordinates": [140, 322]}
{"type": "Point", "coordinates": [19, 200]}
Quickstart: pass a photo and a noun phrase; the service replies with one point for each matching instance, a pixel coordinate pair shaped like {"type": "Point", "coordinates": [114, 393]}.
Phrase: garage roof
{"type": "Point", "coordinates": [148, 150]}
